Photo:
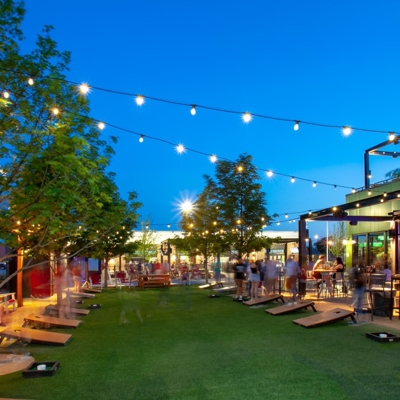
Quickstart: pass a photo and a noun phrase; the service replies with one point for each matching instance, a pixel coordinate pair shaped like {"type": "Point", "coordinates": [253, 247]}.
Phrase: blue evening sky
{"type": "Point", "coordinates": [330, 62]}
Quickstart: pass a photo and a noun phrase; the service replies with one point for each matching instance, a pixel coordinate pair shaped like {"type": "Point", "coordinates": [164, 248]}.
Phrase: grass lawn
{"type": "Point", "coordinates": [189, 346]}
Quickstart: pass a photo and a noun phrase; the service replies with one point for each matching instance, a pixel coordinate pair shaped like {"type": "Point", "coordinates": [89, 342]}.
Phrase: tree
{"type": "Point", "coordinates": [53, 184]}
{"type": "Point", "coordinates": [146, 245]}
{"type": "Point", "coordinates": [393, 174]}
{"type": "Point", "coordinates": [241, 205]}
{"type": "Point", "coordinates": [203, 232]}
{"type": "Point", "coordinates": [338, 235]}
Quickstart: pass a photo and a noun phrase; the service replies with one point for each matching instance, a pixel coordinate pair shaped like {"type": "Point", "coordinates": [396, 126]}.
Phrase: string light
{"type": "Point", "coordinates": [391, 136]}
{"type": "Point", "coordinates": [346, 130]}
{"type": "Point", "coordinates": [314, 184]}
{"type": "Point", "coordinates": [139, 100]}
{"type": "Point", "coordinates": [30, 81]}
{"type": "Point", "coordinates": [84, 88]}
{"type": "Point", "coordinates": [296, 125]}
{"type": "Point", "coordinates": [213, 158]}
{"type": "Point", "coordinates": [141, 139]}
{"type": "Point", "coordinates": [180, 148]}
{"type": "Point", "coordinates": [6, 95]}
{"type": "Point", "coordinates": [193, 110]}
{"type": "Point", "coordinates": [240, 168]}
{"type": "Point", "coordinates": [269, 173]}
{"type": "Point", "coordinates": [101, 125]}
{"type": "Point", "coordinates": [293, 180]}
{"type": "Point", "coordinates": [247, 117]}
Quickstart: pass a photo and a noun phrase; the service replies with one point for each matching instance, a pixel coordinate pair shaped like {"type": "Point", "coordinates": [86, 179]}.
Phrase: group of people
{"type": "Point", "coordinates": [263, 274]}
{"type": "Point", "coordinates": [135, 269]}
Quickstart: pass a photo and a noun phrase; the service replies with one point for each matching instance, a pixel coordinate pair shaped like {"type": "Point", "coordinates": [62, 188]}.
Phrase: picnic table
{"type": "Point", "coordinates": [152, 280]}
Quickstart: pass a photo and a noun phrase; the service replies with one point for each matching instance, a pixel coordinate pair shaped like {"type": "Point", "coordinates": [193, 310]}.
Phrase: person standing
{"type": "Point", "coordinates": [292, 272]}
{"type": "Point", "coordinates": [240, 269]}
{"type": "Point", "coordinates": [255, 280]}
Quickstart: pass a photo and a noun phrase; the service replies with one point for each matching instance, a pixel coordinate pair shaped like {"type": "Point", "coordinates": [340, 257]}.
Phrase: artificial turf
{"type": "Point", "coordinates": [178, 343]}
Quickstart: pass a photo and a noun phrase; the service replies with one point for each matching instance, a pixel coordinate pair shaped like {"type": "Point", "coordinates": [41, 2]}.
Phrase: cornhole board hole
{"type": "Point", "coordinates": [211, 285]}
{"type": "Point", "coordinates": [324, 318]}
{"type": "Point", "coordinates": [227, 289]}
{"type": "Point", "coordinates": [383, 337]}
{"type": "Point", "coordinates": [43, 321]}
{"type": "Point", "coordinates": [286, 309]}
{"type": "Point", "coordinates": [264, 299]}
{"type": "Point", "coordinates": [93, 306]}
{"type": "Point", "coordinates": [27, 335]}
{"type": "Point", "coordinates": [77, 311]}
{"type": "Point", "coordinates": [32, 370]}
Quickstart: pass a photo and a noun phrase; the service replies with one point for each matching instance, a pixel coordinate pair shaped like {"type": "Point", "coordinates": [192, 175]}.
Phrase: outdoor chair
{"type": "Point", "coordinates": [379, 297]}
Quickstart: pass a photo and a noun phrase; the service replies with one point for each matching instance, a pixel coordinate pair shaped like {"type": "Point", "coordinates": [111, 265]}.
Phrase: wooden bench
{"type": "Point", "coordinates": [27, 335]}
{"type": "Point", "coordinates": [154, 280]}
{"type": "Point", "coordinates": [264, 299]}
{"type": "Point", "coordinates": [294, 307]}
{"type": "Point", "coordinates": [43, 321]}
{"type": "Point", "coordinates": [326, 317]}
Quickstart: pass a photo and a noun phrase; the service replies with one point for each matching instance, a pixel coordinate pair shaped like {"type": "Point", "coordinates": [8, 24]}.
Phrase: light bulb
{"type": "Point", "coordinates": [296, 125]}
{"type": "Point", "coordinates": [346, 130]}
{"type": "Point", "coordinates": [353, 190]}
{"type": "Point", "coordinates": [391, 136]}
{"type": "Point", "coordinates": [180, 148]}
{"type": "Point", "coordinates": [55, 111]}
{"type": "Point", "coordinates": [269, 173]}
{"type": "Point", "coordinates": [141, 139]}
{"type": "Point", "coordinates": [101, 125]}
{"type": "Point", "coordinates": [246, 117]}
{"type": "Point", "coordinates": [139, 100]}
{"type": "Point", "coordinates": [6, 95]}
{"type": "Point", "coordinates": [314, 184]}
{"type": "Point", "coordinates": [213, 158]}
{"type": "Point", "coordinates": [193, 110]}
{"type": "Point", "coordinates": [286, 216]}
{"type": "Point", "coordinates": [84, 88]}
{"type": "Point", "coordinates": [30, 81]}
{"type": "Point", "coordinates": [292, 180]}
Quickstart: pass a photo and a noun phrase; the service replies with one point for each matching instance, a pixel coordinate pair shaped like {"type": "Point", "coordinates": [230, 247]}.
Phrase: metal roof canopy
{"type": "Point", "coordinates": [326, 214]}
{"type": "Point", "coordinates": [375, 152]}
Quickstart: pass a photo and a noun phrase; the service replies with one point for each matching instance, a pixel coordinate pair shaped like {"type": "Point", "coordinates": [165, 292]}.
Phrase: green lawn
{"type": "Point", "coordinates": [192, 347]}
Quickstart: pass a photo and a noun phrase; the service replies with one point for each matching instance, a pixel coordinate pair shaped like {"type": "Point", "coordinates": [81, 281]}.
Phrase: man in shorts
{"type": "Point", "coordinates": [240, 269]}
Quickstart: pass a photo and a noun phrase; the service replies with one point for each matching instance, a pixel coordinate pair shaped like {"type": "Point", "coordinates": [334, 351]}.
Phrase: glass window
{"type": "Point", "coordinates": [360, 250]}
{"type": "Point", "coordinates": [376, 244]}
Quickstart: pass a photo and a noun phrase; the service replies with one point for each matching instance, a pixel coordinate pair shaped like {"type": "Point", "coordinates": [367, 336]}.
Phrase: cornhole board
{"type": "Point", "coordinates": [54, 309]}
{"type": "Point", "coordinates": [211, 285]}
{"type": "Point", "coordinates": [81, 294]}
{"type": "Point", "coordinates": [90, 290]}
{"type": "Point", "coordinates": [40, 320]}
{"type": "Point", "coordinates": [264, 299]}
{"type": "Point", "coordinates": [226, 289]}
{"type": "Point", "coordinates": [288, 309]}
{"type": "Point", "coordinates": [326, 317]}
{"type": "Point", "coordinates": [28, 335]}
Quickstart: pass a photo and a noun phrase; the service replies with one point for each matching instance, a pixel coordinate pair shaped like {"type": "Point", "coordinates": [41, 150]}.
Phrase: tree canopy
{"type": "Point", "coordinates": [229, 214]}
{"type": "Point", "coordinates": [55, 190]}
